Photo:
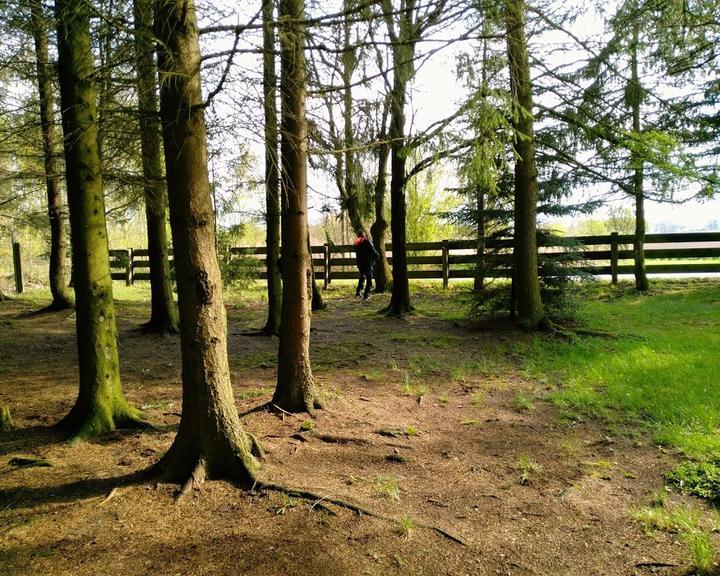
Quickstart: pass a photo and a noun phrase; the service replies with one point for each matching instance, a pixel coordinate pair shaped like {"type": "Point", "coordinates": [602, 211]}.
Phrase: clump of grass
{"type": "Point", "coordinates": [477, 398]}
{"type": "Point", "coordinates": [386, 486]}
{"type": "Point", "coordinates": [405, 525]}
{"type": "Point", "coordinates": [307, 425]}
{"type": "Point", "coordinates": [523, 401]}
{"type": "Point", "coordinates": [444, 398]}
{"type": "Point", "coordinates": [702, 552]}
{"type": "Point", "coordinates": [571, 447]}
{"type": "Point", "coordinates": [527, 467]}
{"type": "Point", "coordinates": [411, 388]}
{"type": "Point", "coordinates": [677, 519]}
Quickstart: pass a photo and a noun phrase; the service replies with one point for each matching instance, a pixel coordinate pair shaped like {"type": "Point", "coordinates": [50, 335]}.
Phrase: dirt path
{"type": "Point", "coordinates": [442, 430]}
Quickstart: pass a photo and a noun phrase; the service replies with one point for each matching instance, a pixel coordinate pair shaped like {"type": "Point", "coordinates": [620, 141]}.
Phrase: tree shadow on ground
{"type": "Point", "coordinates": [30, 439]}
{"type": "Point", "coordinates": [28, 497]}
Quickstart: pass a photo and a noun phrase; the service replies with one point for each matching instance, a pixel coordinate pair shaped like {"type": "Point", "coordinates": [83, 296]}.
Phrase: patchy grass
{"type": "Point", "coordinates": [693, 527]}
{"type": "Point", "coordinates": [661, 370]}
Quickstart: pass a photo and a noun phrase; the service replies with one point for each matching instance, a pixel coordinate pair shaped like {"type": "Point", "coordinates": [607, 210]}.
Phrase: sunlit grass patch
{"type": "Point", "coordinates": [661, 371]}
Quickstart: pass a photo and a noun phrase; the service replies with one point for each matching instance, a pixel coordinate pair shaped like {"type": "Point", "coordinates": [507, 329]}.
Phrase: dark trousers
{"type": "Point", "coordinates": [365, 280]}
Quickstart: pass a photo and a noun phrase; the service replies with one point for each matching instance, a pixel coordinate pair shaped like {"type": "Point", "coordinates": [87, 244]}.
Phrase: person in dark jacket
{"type": "Point", "coordinates": [365, 255]}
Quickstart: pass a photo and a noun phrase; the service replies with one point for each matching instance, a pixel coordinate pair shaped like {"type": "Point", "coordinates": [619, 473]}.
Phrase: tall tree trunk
{"type": "Point", "coordinates": [400, 299]}
{"type": "Point", "coordinates": [526, 281]}
{"type": "Point", "coordinates": [353, 185]}
{"type": "Point", "coordinates": [295, 390]}
{"type": "Point", "coordinates": [383, 273]}
{"type": "Point", "coordinates": [272, 176]}
{"type": "Point", "coordinates": [479, 281]}
{"type": "Point", "coordinates": [210, 440]}
{"type": "Point", "coordinates": [163, 314]}
{"type": "Point", "coordinates": [58, 271]}
{"type": "Point", "coordinates": [635, 94]}
{"type": "Point", "coordinates": [100, 405]}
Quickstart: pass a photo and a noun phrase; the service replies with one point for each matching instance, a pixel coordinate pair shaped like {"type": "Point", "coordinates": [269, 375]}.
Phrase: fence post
{"type": "Point", "coordinates": [614, 257]}
{"type": "Point", "coordinates": [445, 262]}
{"type": "Point", "coordinates": [326, 265]}
{"type": "Point", "coordinates": [129, 269]}
{"type": "Point", "coordinates": [17, 265]}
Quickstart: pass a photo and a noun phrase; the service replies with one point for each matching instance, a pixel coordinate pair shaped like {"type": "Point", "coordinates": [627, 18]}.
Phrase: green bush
{"type": "Point", "coordinates": [697, 478]}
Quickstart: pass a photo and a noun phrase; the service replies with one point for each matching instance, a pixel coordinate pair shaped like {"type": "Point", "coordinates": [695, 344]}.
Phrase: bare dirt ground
{"type": "Point", "coordinates": [443, 431]}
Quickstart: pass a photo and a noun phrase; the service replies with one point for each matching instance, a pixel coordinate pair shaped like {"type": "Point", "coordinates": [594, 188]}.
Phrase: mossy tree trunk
{"type": "Point", "coordinates": [100, 405]}
{"type": "Point", "coordinates": [295, 390]}
{"type": "Point", "coordinates": [272, 175]}
{"type": "Point", "coordinates": [163, 313]}
{"type": "Point", "coordinates": [210, 440]}
{"type": "Point", "coordinates": [58, 270]}
{"type": "Point", "coordinates": [526, 282]}
{"type": "Point", "coordinates": [378, 231]}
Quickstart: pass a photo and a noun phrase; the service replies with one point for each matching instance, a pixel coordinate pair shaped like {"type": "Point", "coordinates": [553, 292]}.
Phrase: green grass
{"type": "Point", "coordinates": [693, 528]}
{"type": "Point", "coordinates": [386, 486]}
{"type": "Point", "coordinates": [661, 371]}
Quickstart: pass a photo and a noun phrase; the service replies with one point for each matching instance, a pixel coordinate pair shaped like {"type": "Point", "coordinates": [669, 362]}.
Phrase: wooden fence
{"type": "Point", "coordinates": [609, 255]}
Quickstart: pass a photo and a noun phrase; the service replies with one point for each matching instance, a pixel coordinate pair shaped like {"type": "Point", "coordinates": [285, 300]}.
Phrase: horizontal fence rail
{"type": "Point", "coordinates": [611, 255]}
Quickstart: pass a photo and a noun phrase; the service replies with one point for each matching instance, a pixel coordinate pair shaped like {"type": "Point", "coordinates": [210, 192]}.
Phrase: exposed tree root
{"type": "Point", "coordinates": [332, 438]}
{"type": "Point", "coordinates": [80, 428]}
{"type": "Point", "coordinates": [50, 308]}
{"type": "Point", "coordinates": [390, 312]}
{"type": "Point", "coordinates": [197, 477]}
{"type": "Point", "coordinates": [160, 328]}
{"type": "Point", "coordinates": [360, 510]}
{"type": "Point", "coordinates": [570, 334]}
{"type": "Point", "coordinates": [256, 333]}
{"type": "Point", "coordinates": [255, 447]}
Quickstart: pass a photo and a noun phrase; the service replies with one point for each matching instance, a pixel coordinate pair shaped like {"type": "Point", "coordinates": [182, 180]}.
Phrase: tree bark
{"type": "Point", "coordinates": [526, 282]}
{"type": "Point", "coordinates": [58, 270]}
{"type": "Point", "coordinates": [635, 92]}
{"type": "Point", "coordinates": [163, 314]}
{"type": "Point", "coordinates": [479, 280]}
{"type": "Point", "coordinates": [272, 177]}
{"type": "Point", "coordinates": [295, 390]}
{"type": "Point", "coordinates": [403, 51]}
{"type": "Point", "coordinates": [100, 405]}
{"type": "Point", "coordinates": [378, 231]}
{"type": "Point", "coordinates": [210, 440]}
